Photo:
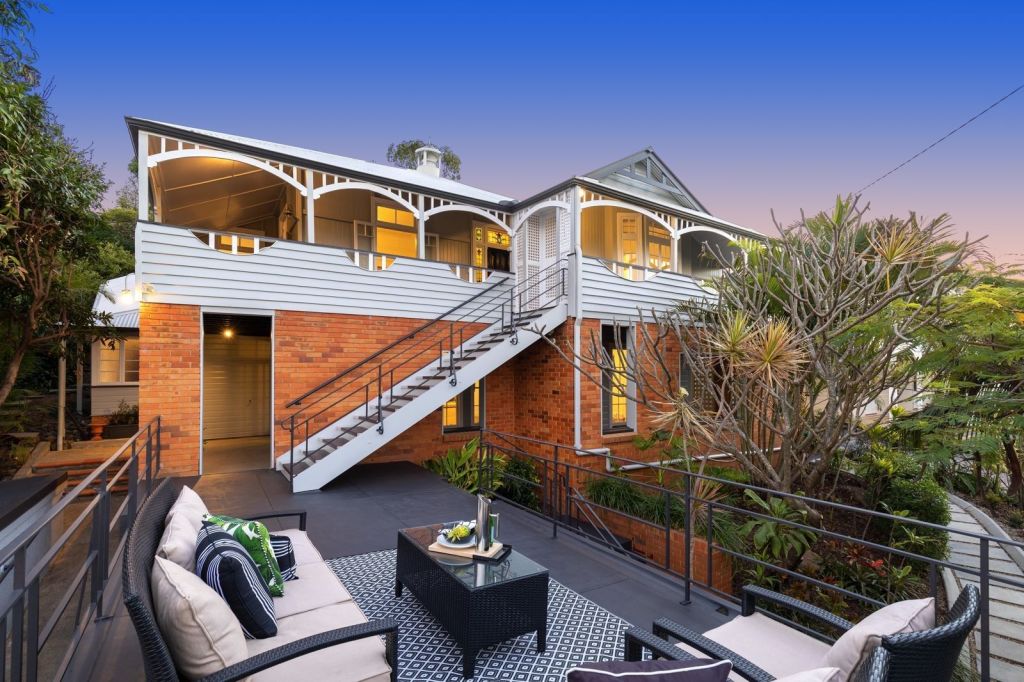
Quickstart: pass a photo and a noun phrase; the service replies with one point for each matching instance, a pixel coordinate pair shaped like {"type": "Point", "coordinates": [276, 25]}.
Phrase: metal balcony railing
{"type": "Point", "coordinates": [561, 474]}
{"type": "Point", "coordinates": [55, 590]}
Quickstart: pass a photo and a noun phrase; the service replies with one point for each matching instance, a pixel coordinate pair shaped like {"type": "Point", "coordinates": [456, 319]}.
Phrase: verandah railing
{"type": "Point", "coordinates": [55, 577]}
{"type": "Point", "coordinates": [559, 482]}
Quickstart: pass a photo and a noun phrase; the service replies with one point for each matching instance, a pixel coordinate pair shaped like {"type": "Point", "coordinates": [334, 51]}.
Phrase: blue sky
{"type": "Point", "coordinates": [759, 107]}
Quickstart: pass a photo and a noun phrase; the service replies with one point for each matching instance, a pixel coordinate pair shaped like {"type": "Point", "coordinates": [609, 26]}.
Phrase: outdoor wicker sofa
{"type": "Point", "coordinates": [928, 654]}
{"type": "Point", "coordinates": [287, 659]}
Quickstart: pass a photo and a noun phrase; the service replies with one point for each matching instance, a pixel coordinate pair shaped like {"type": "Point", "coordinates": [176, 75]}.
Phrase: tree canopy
{"type": "Point", "coordinates": [403, 155]}
{"type": "Point", "coordinates": [55, 251]}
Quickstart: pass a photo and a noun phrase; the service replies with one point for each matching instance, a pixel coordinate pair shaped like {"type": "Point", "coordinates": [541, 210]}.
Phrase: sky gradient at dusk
{"type": "Point", "coordinates": [766, 106]}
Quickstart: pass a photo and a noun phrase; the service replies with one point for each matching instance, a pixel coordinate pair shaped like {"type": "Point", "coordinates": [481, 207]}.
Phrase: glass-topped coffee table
{"type": "Point", "coordinates": [479, 603]}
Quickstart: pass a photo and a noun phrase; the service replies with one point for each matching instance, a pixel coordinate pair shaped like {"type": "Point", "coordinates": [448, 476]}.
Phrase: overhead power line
{"type": "Point", "coordinates": [946, 136]}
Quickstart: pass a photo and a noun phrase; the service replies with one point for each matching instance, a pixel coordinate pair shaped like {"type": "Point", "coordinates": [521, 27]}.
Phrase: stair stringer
{"type": "Point", "coordinates": [363, 445]}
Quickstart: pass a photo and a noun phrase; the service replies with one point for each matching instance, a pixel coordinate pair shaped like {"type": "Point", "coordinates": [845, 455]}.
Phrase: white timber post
{"type": "Point", "coordinates": [577, 311]}
{"type": "Point", "coordinates": [421, 230]}
{"type": "Point", "coordinates": [143, 175]}
{"type": "Point", "coordinates": [674, 256]}
{"type": "Point", "coordinates": [310, 222]}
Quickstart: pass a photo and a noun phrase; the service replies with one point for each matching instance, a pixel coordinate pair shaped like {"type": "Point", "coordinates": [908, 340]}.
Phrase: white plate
{"type": "Point", "coordinates": [445, 542]}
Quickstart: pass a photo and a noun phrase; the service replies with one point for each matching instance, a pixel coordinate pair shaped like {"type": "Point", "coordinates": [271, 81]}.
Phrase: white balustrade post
{"type": "Point", "coordinates": [143, 175]}
{"type": "Point", "coordinates": [421, 231]}
{"type": "Point", "coordinates": [310, 220]}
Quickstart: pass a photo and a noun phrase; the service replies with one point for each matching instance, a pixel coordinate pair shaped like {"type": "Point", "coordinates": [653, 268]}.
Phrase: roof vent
{"type": "Point", "coordinates": [428, 161]}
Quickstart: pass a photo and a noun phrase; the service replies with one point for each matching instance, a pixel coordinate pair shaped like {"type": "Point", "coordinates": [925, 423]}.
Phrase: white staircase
{"type": "Point", "coordinates": [436, 373]}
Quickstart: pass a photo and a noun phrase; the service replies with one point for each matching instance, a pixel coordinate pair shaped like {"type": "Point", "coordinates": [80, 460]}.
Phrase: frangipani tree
{"type": "Point", "coordinates": [802, 334]}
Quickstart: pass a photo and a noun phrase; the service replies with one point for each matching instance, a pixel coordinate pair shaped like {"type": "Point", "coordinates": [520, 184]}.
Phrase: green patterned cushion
{"type": "Point", "coordinates": [255, 538]}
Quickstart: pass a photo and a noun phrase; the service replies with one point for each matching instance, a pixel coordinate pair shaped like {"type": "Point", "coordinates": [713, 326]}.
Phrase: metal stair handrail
{"type": "Point", "coordinates": [444, 335]}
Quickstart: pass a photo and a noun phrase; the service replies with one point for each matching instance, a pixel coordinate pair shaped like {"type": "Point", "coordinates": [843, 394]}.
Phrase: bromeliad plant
{"type": "Point", "coordinates": [775, 539]}
{"type": "Point", "coordinates": [463, 469]}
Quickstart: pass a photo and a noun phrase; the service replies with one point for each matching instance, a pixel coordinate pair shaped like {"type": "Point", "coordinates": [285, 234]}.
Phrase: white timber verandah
{"type": "Point", "coordinates": [303, 224]}
{"type": "Point", "coordinates": [239, 203]}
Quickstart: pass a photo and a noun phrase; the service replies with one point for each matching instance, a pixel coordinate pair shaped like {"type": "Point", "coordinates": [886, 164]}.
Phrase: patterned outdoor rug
{"type": "Point", "coordinates": [578, 630]}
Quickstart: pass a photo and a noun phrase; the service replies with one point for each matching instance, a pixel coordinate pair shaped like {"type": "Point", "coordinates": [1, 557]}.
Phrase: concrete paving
{"type": "Point", "coordinates": [1006, 601]}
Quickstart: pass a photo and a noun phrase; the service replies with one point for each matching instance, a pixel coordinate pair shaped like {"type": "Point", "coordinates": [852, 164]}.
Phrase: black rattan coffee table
{"type": "Point", "coordinates": [479, 603]}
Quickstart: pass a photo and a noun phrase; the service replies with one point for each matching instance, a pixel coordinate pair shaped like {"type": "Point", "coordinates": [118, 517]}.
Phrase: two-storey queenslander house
{"type": "Point", "coordinates": [307, 311]}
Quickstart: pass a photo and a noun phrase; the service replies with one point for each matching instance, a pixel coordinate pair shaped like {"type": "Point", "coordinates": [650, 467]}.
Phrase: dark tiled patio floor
{"type": "Point", "coordinates": [361, 511]}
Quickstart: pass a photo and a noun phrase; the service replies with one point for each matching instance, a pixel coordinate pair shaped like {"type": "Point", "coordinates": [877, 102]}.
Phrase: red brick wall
{"type": "Point", "coordinates": [543, 385]}
{"type": "Point", "coordinates": [311, 347]}
{"type": "Point", "coordinates": [169, 381]}
{"type": "Point", "coordinates": [532, 395]}
{"type": "Point", "coordinates": [427, 440]}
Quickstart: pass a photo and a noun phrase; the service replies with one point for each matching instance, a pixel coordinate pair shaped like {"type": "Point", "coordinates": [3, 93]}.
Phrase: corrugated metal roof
{"type": "Point", "coordinates": [126, 320]}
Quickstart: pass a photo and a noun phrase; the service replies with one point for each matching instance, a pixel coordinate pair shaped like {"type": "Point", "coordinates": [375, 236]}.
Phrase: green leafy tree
{"type": "Point", "coordinates": [974, 354]}
{"type": "Point", "coordinates": [403, 155]}
{"type": "Point", "coordinates": [52, 254]}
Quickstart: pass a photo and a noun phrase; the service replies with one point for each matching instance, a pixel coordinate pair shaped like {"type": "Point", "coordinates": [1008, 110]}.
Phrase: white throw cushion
{"type": "Point", "coordinates": [816, 675]}
{"type": "Point", "coordinates": [857, 643]}
{"type": "Point", "coordinates": [191, 505]}
{"type": "Point", "coordinates": [198, 626]}
{"type": "Point", "coordinates": [178, 543]}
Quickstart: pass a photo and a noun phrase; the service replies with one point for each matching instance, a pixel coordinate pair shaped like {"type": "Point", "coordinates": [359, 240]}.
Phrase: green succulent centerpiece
{"type": "Point", "coordinates": [459, 532]}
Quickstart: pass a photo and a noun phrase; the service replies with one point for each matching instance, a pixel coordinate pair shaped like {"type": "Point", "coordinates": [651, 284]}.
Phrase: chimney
{"type": "Point", "coordinates": [428, 161]}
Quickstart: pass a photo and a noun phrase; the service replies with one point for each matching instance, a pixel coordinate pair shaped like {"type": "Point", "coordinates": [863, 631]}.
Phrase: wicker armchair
{"type": "Point", "coordinates": [900, 657]}
{"type": "Point", "coordinates": [140, 550]}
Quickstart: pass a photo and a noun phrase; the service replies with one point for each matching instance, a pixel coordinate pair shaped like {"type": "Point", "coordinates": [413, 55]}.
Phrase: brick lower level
{"type": "Point", "coordinates": [531, 395]}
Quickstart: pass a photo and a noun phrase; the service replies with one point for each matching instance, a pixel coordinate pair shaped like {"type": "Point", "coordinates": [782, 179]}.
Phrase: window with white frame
{"type": "Point", "coordinates": [617, 414]}
{"type": "Point", "coordinates": [117, 362]}
{"type": "Point", "coordinates": [394, 230]}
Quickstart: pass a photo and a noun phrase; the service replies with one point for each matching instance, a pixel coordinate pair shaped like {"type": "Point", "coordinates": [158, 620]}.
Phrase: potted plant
{"type": "Point", "coordinates": [123, 423]}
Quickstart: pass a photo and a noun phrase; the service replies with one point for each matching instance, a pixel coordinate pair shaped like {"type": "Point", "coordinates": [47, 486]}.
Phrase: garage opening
{"type": "Point", "coordinates": [236, 393]}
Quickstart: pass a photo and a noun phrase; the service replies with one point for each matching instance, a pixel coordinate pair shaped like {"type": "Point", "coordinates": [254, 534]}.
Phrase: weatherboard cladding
{"type": "Point", "coordinates": [179, 268]}
{"type": "Point", "coordinates": [610, 297]}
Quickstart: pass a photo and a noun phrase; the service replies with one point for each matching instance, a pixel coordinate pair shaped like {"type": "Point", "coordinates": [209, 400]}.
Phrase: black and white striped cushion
{"type": "Point", "coordinates": [224, 565]}
{"type": "Point", "coordinates": [285, 555]}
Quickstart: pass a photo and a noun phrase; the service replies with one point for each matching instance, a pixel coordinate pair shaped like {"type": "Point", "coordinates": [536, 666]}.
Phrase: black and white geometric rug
{"type": "Point", "coordinates": [578, 630]}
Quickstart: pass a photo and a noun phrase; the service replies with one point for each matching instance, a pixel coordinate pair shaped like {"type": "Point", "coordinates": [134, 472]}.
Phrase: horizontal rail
{"type": "Point", "coordinates": [86, 580]}
{"type": "Point", "coordinates": [560, 503]}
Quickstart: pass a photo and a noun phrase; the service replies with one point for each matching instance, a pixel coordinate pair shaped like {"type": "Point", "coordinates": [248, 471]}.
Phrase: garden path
{"type": "Point", "coordinates": [1006, 603]}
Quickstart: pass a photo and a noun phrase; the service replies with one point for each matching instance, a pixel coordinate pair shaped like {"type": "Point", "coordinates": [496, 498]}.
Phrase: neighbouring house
{"type": "Point", "coordinates": [308, 311]}
{"type": "Point", "coordinates": [114, 363]}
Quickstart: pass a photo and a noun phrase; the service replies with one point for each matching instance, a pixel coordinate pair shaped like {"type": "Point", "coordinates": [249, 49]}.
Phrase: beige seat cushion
{"type": "Point", "coordinates": [202, 633]}
{"type": "Point", "coordinates": [317, 586]}
{"type": "Point", "coordinates": [816, 675]}
{"type": "Point", "coordinates": [359, 661]}
{"type": "Point", "coordinates": [857, 643]}
{"type": "Point", "coordinates": [305, 552]}
{"type": "Point", "coordinates": [770, 645]}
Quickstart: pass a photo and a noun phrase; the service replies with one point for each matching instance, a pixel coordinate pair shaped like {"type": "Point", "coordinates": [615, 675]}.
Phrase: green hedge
{"type": "Point", "coordinates": [925, 500]}
{"type": "Point", "coordinates": [621, 494]}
